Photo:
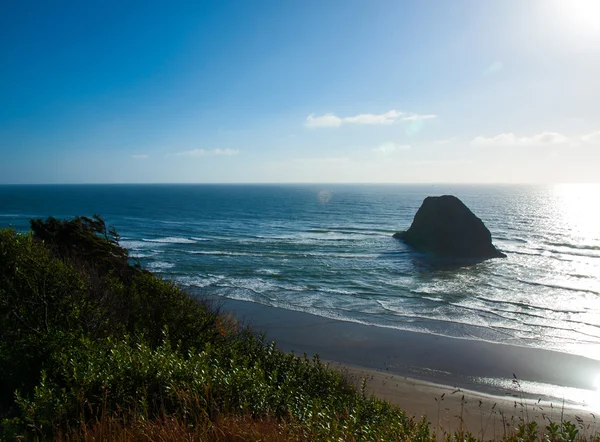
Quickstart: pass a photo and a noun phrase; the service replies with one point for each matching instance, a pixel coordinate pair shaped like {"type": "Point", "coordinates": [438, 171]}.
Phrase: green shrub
{"type": "Point", "coordinates": [87, 336]}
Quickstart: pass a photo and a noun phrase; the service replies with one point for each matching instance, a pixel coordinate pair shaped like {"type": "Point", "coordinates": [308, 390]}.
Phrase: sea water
{"type": "Point", "coordinates": [328, 250]}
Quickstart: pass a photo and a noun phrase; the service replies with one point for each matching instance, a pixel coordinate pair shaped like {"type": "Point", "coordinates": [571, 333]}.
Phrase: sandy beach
{"type": "Point", "coordinates": [449, 408]}
{"type": "Point", "coordinates": [479, 386]}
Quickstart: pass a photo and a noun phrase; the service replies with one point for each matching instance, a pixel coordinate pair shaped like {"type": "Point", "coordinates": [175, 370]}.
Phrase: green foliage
{"type": "Point", "coordinates": [86, 334]}
{"type": "Point", "coordinates": [87, 241]}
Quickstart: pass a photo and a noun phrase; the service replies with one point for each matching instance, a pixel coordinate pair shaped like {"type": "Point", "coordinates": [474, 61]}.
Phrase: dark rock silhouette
{"type": "Point", "coordinates": [444, 226]}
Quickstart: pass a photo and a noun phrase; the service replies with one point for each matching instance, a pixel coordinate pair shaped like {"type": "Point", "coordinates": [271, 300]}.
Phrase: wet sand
{"type": "Point", "coordinates": [413, 369]}
{"type": "Point", "coordinates": [450, 409]}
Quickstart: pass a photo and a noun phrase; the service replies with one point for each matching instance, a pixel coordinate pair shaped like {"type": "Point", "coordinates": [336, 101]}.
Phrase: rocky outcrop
{"type": "Point", "coordinates": [447, 228]}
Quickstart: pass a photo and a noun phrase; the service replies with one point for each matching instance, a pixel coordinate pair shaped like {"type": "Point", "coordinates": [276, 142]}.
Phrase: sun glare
{"type": "Point", "coordinates": [577, 208]}
{"type": "Point", "coordinates": [582, 15]}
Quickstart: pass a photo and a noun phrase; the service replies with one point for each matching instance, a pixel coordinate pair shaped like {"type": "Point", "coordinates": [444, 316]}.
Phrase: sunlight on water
{"type": "Point", "coordinates": [328, 250]}
{"type": "Point", "coordinates": [588, 399]}
{"type": "Point", "coordinates": [579, 216]}
{"type": "Point", "coordinates": [579, 209]}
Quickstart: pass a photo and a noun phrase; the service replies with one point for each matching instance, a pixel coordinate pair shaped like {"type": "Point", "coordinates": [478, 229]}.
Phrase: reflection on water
{"type": "Point", "coordinates": [578, 207]}
{"type": "Point", "coordinates": [586, 399]}
{"type": "Point", "coordinates": [331, 253]}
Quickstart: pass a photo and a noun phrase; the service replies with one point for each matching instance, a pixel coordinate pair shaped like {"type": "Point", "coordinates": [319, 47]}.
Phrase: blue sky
{"type": "Point", "coordinates": [300, 91]}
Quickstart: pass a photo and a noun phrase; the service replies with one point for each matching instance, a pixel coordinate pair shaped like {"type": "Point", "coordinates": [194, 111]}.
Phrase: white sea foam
{"type": "Point", "coordinates": [268, 271]}
{"type": "Point", "coordinates": [159, 265]}
{"type": "Point", "coordinates": [199, 281]}
{"type": "Point", "coordinates": [170, 240]}
{"type": "Point", "coordinates": [337, 261]}
{"type": "Point", "coordinates": [220, 253]}
{"type": "Point", "coordinates": [140, 255]}
{"type": "Point", "coordinates": [131, 244]}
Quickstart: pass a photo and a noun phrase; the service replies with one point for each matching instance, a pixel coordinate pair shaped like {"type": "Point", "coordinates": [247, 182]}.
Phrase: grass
{"type": "Point", "coordinates": [232, 428]}
{"type": "Point", "coordinates": [93, 347]}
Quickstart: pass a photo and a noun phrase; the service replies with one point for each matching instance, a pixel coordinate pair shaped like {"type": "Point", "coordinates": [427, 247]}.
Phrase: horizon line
{"type": "Point", "coordinates": [298, 183]}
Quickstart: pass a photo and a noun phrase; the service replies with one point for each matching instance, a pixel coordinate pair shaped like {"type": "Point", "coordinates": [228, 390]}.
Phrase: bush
{"type": "Point", "coordinates": [91, 340]}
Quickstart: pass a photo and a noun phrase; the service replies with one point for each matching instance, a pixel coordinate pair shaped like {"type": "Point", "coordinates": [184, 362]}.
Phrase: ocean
{"type": "Point", "coordinates": [328, 250]}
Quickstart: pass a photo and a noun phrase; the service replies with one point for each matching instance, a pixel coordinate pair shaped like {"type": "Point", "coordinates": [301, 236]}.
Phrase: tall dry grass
{"type": "Point", "coordinates": [226, 429]}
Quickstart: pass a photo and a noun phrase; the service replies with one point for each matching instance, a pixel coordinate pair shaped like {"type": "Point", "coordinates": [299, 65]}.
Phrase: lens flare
{"type": "Point", "coordinates": [324, 196]}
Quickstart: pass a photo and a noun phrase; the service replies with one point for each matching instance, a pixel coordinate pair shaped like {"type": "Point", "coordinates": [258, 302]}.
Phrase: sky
{"type": "Point", "coordinates": [462, 91]}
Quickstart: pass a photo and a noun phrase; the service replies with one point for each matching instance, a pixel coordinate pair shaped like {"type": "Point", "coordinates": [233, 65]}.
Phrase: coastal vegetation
{"type": "Point", "coordinates": [94, 347]}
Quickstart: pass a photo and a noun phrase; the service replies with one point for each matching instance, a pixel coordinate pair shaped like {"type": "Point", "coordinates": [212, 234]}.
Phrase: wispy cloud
{"type": "Point", "coordinates": [390, 117]}
{"type": "Point", "coordinates": [327, 120]}
{"type": "Point", "coordinates": [323, 160]}
{"type": "Point", "coordinates": [204, 152]}
{"type": "Point", "coordinates": [385, 118]}
{"type": "Point", "coordinates": [510, 139]}
{"type": "Point", "coordinates": [493, 68]}
{"type": "Point", "coordinates": [444, 141]}
{"type": "Point", "coordinates": [390, 148]}
{"type": "Point", "coordinates": [140, 157]}
{"type": "Point", "coordinates": [594, 136]}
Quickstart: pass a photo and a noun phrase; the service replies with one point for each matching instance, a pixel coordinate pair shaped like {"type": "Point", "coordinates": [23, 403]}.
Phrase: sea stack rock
{"type": "Point", "coordinates": [447, 228]}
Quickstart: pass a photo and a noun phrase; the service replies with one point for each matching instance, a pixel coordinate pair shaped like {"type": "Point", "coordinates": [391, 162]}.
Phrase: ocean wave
{"type": "Point", "coordinates": [174, 223]}
{"type": "Point", "coordinates": [357, 232]}
{"type": "Point", "coordinates": [309, 238]}
{"type": "Point", "coordinates": [16, 215]}
{"type": "Point", "coordinates": [133, 244]}
{"type": "Point", "coordinates": [199, 281]}
{"type": "Point", "coordinates": [220, 253]}
{"type": "Point", "coordinates": [528, 306]}
{"type": "Point", "coordinates": [547, 327]}
{"type": "Point", "coordinates": [140, 255]}
{"type": "Point", "coordinates": [268, 271]}
{"type": "Point", "coordinates": [159, 265]}
{"type": "Point", "coordinates": [546, 253]}
{"type": "Point", "coordinates": [262, 286]}
{"type": "Point", "coordinates": [282, 254]}
{"type": "Point", "coordinates": [574, 246]}
{"type": "Point", "coordinates": [510, 239]}
{"type": "Point", "coordinates": [559, 286]}
{"type": "Point", "coordinates": [428, 321]}
{"type": "Point", "coordinates": [567, 251]}
{"type": "Point", "coordinates": [422, 323]}
{"type": "Point", "coordinates": [336, 291]}
{"type": "Point", "coordinates": [525, 311]}
{"type": "Point", "coordinates": [170, 240]}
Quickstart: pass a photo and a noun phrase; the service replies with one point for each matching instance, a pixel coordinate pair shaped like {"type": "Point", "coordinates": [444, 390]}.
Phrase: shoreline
{"type": "Point", "coordinates": [498, 372]}
{"type": "Point", "coordinates": [450, 409]}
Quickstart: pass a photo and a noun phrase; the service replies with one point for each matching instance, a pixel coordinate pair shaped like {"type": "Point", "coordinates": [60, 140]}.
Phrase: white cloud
{"type": "Point", "coordinates": [140, 157]}
{"type": "Point", "coordinates": [226, 152]}
{"type": "Point", "coordinates": [203, 152]}
{"type": "Point", "coordinates": [385, 118]}
{"type": "Point", "coordinates": [510, 139]}
{"type": "Point", "coordinates": [444, 141]}
{"type": "Point", "coordinates": [392, 116]}
{"type": "Point", "coordinates": [591, 137]}
{"type": "Point", "coordinates": [327, 120]}
{"type": "Point", "coordinates": [417, 117]}
{"type": "Point", "coordinates": [390, 148]}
